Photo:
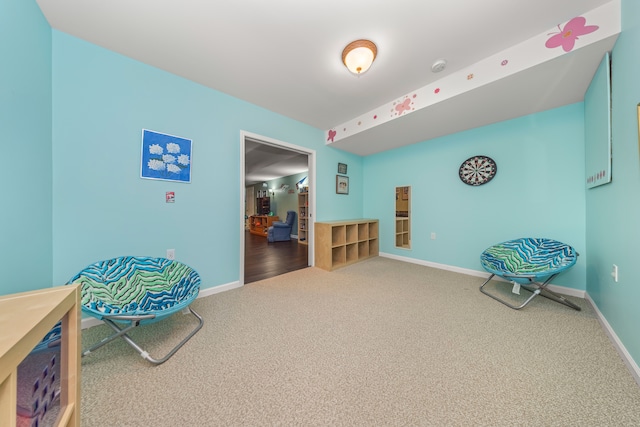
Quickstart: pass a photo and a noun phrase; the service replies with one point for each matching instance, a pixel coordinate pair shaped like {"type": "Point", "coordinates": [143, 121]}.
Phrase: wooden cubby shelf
{"type": "Point", "coordinates": [259, 224]}
{"type": "Point", "coordinates": [25, 318]}
{"type": "Point", "coordinates": [341, 243]}
{"type": "Point", "coordinates": [402, 232]}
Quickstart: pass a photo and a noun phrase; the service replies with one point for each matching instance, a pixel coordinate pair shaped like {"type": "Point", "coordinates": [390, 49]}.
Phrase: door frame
{"type": "Point", "coordinates": [311, 174]}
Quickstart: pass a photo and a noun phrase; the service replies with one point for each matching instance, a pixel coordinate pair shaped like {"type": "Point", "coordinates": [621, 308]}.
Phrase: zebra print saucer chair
{"type": "Point", "coordinates": [128, 292]}
{"type": "Point", "coordinates": [530, 263]}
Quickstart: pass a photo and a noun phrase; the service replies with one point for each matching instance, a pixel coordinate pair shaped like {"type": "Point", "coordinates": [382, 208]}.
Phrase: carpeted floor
{"type": "Point", "coordinates": [379, 343]}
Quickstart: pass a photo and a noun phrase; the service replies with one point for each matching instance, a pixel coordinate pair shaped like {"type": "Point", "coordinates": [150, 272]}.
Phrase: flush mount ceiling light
{"type": "Point", "coordinates": [359, 55]}
{"type": "Point", "coordinates": [439, 65]}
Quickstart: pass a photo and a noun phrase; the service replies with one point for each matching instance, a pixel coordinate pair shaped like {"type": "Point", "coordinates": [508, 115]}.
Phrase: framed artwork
{"type": "Point", "coordinates": [342, 184]}
{"type": "Point", "coordinates": [597, 115]}
{"type": "Point", "coordinates": [342, 168]}
{"type": "Point", "coordinates": [165, 157]}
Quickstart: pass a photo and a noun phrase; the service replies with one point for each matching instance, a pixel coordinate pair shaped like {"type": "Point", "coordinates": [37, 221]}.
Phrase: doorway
{"type": "Point", "coordinates": [258, 258]}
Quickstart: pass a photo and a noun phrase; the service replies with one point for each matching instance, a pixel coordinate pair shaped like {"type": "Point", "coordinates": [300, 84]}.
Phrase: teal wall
{"type": "Point", "coordinates": [25, 122]}
{"type": "Point", "coordinates": [537, 191]}
{"type": "Point", "coordinates": [613, 210]}
{"type": "Point", "coordinates": [101, 206]}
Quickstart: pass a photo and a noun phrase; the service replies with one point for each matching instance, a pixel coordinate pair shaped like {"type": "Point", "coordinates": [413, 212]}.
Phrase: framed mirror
{"type": "Point", "coordinates": [403, 217]}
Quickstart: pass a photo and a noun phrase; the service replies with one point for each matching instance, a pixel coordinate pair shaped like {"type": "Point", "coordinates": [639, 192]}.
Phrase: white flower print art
{"type": "Point", "coordinates": [165, 157]}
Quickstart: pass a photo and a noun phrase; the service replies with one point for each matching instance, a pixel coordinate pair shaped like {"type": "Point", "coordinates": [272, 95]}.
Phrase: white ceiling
{"type": "Point", "coordinates": [285, 55]}
{"type": "Point", "coordinates": [264, 162]}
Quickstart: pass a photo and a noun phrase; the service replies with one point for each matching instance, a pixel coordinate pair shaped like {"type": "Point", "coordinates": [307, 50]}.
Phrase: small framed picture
{"type": "Point", "coordinates": [342, 184]}
{"type": "Point", "coordinates": [342, 168]}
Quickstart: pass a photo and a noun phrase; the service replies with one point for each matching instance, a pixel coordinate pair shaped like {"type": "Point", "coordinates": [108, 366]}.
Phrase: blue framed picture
{"type": "Point", "coordinates": [165, 157]}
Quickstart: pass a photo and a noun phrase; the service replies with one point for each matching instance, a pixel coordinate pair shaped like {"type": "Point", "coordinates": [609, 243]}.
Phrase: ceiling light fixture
{"type": "Point", "coordinates": [359, 55]}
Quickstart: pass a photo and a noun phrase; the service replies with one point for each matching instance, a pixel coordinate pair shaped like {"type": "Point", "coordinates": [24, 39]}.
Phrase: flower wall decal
{"type": "Point", "coordinates": [569, 34]}
{"type": "Point", "coordinates": [403, 106]}
{"type": "Point", "coordinates": [165, 157]}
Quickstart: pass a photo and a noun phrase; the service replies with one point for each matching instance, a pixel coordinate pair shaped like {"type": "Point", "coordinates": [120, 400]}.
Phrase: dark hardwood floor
{"type": "Point", "coordinates": [263, 259]}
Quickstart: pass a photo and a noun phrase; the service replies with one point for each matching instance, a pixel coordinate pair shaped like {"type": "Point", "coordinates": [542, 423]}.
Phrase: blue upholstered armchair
{"type": "Point", "coordinates": [281, 231]}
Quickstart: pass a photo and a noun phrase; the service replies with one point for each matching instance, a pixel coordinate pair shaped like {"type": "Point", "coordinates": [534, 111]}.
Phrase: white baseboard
{"type": "Point", "coordinates": [89, 322]}
{"type": "Point", "coordinates": [466, 271]}
{"type": "Point", "coordinates": [620, 348]}
{"type": "Point", "coordinates": [217, 289]}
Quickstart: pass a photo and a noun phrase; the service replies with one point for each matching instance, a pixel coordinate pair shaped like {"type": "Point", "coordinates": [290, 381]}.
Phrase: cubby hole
{"type": "Point", "coordinates": [338, 256]}
{"type": "Point", "coordinates": [352, 233]}
{"type": "Point", "coordinates": [338, 236]}
{"type": "Point", "coordinates": [363, 249]}
{"type": "Point", "coordinates": [373, 247]}
{"type": "Point", "coordinates": [373, 230]}
{"type": "Point", "coordinates": [352, 252]}
{"type": "Point", "coordinates": [363, 231]}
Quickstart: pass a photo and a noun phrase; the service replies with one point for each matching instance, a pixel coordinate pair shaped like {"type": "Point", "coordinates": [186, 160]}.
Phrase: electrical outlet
{"type": "Point", "coordinates": [614, 273]}
{"type": "Point", "coordinates": [171, 254]}
{"type": "Point", "coordinates": [433, 236]}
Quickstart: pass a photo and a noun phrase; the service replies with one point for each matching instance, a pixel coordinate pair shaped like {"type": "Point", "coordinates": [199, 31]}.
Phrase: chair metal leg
{"type": "Point", "coordinates": [518, 307]}
{"type": "Point", "coordinates": [122, 333]}
{"type": "Point", "coordinates": [539, 288]}
{"type": "Point", "coordinates": [145, 355]}
{"type": "Point", "coordinates": [119, 332]}
{"type": "Point", "coordinates": [559, 298]}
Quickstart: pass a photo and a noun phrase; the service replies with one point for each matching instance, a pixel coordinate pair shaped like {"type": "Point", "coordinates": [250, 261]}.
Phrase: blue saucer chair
{"type": "Point", "coordinates": [531, 263]}
{"type": "Point", "coordinates": [127, 292]}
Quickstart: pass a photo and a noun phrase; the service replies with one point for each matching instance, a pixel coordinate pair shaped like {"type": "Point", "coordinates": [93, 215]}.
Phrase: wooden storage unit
{"type": "Point", "coordinates": [402, 232]}
{"type": "Point", "coordinates": [259, 224]}
{"type": "Point", "coordinates": [263, 205]}
{"type": "Point", "coordinates": [340, 243]}
{"type": "Point", "coordinates": [303, 217]}
{"type": "Point", "coordinates": [25, 318]}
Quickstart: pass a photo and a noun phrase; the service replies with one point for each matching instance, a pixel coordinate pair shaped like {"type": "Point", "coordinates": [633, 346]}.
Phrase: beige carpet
{"type": "Point", "coordinates": [379, 343]}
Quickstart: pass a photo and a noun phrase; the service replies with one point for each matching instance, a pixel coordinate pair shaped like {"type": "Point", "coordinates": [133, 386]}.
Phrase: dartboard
{"type": "Point", "coordinates": [477, 170]}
